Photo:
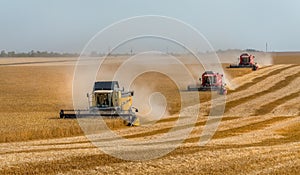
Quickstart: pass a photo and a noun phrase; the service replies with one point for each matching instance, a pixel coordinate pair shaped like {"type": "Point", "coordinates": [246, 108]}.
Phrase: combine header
{"type": "Point", "coordinates": [107, 100]}
{"type": "Point", "coordinates": [210, 81]}
{"type": "Point", "coordinates": [245, 61]}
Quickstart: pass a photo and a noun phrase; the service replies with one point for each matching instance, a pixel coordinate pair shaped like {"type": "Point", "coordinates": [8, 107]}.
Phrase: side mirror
{"type": "Point", "coordinates": [135, 109]}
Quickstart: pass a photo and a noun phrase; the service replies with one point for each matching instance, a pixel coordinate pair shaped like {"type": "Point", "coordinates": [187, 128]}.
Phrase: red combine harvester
{"type": "Point", "coordinates": [210, 81]}
{"type": "Point", "coordinates": [246, 61]}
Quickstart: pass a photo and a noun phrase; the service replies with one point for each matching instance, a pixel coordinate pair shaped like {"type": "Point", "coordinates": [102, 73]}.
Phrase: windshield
{"type": "Point", "coordinates": [210, 80]}
{"type": "Point", "coordinates": [106, 85]}
{"type": "Point", "coordinates": [245, 59]}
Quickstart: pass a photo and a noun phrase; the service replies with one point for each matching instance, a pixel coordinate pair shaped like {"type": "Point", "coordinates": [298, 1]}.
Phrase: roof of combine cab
{"type": "Point", "coordinates": [245, 54]}
{"type": "Point", "coordinates": [208, 72]}
{"type": "Point", "coordinates": [106, 85]}
{"type": "Point", "coordinates": [211, 73]}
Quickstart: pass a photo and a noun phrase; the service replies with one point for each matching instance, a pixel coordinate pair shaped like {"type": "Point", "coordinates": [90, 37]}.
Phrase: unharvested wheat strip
{"type": "Point", "coordinates": [41, 148]}
{"type": "Point", "coordinates": [255, 104]}
{"type": "Point", "coordinates": [23, 146]}
{"type": "Point", "coordinates": [258, 135]}
{"type": "Point", "coordinates": [45, 154]}
{"type": "Point", "coordinates": [50, 155]}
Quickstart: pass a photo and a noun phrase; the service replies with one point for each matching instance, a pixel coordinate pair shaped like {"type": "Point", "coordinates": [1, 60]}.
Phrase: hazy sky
{"type": "Point", "coordinates": [67, 25]}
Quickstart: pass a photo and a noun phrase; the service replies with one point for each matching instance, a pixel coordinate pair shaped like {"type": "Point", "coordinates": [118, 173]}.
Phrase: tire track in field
{"type": "Point", "coordinates": [39, 150]}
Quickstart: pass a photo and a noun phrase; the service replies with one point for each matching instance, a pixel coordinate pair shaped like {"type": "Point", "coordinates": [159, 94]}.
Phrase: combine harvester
{"type": "Point", "coordinates": [210, 81]}
{"type": "Point", "coordinates": [107, 100]}
{"type": "Point", "coordinates": [246, 60]}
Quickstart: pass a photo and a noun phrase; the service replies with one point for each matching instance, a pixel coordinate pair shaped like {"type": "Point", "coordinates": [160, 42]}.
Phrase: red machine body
{"type": "Point", "coordinates": [210, 81]}
{"type": "Point", "coordinates": [246, 60]}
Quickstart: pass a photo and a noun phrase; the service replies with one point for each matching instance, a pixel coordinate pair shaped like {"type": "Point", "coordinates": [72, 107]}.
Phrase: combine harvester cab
{"type": "Point", "coordinates": [210, 81]}
{"type": "Point", "coordinates": [246, 60]}
{"type": "Point", "coordinates": [107, 100]}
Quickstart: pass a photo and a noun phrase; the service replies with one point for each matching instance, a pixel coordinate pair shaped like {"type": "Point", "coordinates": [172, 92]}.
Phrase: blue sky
{"type": "Point", "coordinates": [67, 25]}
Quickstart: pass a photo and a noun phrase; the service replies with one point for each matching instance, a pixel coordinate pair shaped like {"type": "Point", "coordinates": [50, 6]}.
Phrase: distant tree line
{"type": "Point", "coordinates": [252, 50]}
{"type": "Point", "coordinates": [238, 50]}
{"type": "Point", "coordinates": [33, 53]}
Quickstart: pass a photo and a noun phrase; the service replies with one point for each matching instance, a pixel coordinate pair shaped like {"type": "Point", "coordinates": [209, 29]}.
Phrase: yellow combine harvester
{"type": "Point", "coordinates": [107, 100]}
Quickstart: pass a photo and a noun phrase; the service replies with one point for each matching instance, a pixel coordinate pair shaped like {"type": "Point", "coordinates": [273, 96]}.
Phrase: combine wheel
{"type": "Point", "coordinates": [254, 67]}
{"type": "Point", "coordinates": [188, 88]}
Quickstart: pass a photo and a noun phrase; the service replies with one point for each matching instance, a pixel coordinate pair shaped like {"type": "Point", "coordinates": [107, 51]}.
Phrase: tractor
{"type": "Point", "coordinates": [246, 60]}
{"type": "Point", "coordinates": [210, 81]}
{"type": "Point", "coordinates": [107, 100]}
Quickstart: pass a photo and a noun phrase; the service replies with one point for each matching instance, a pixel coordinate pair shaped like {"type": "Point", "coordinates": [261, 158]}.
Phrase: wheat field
{"type": "Point", "coordinates": [259, 133]}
